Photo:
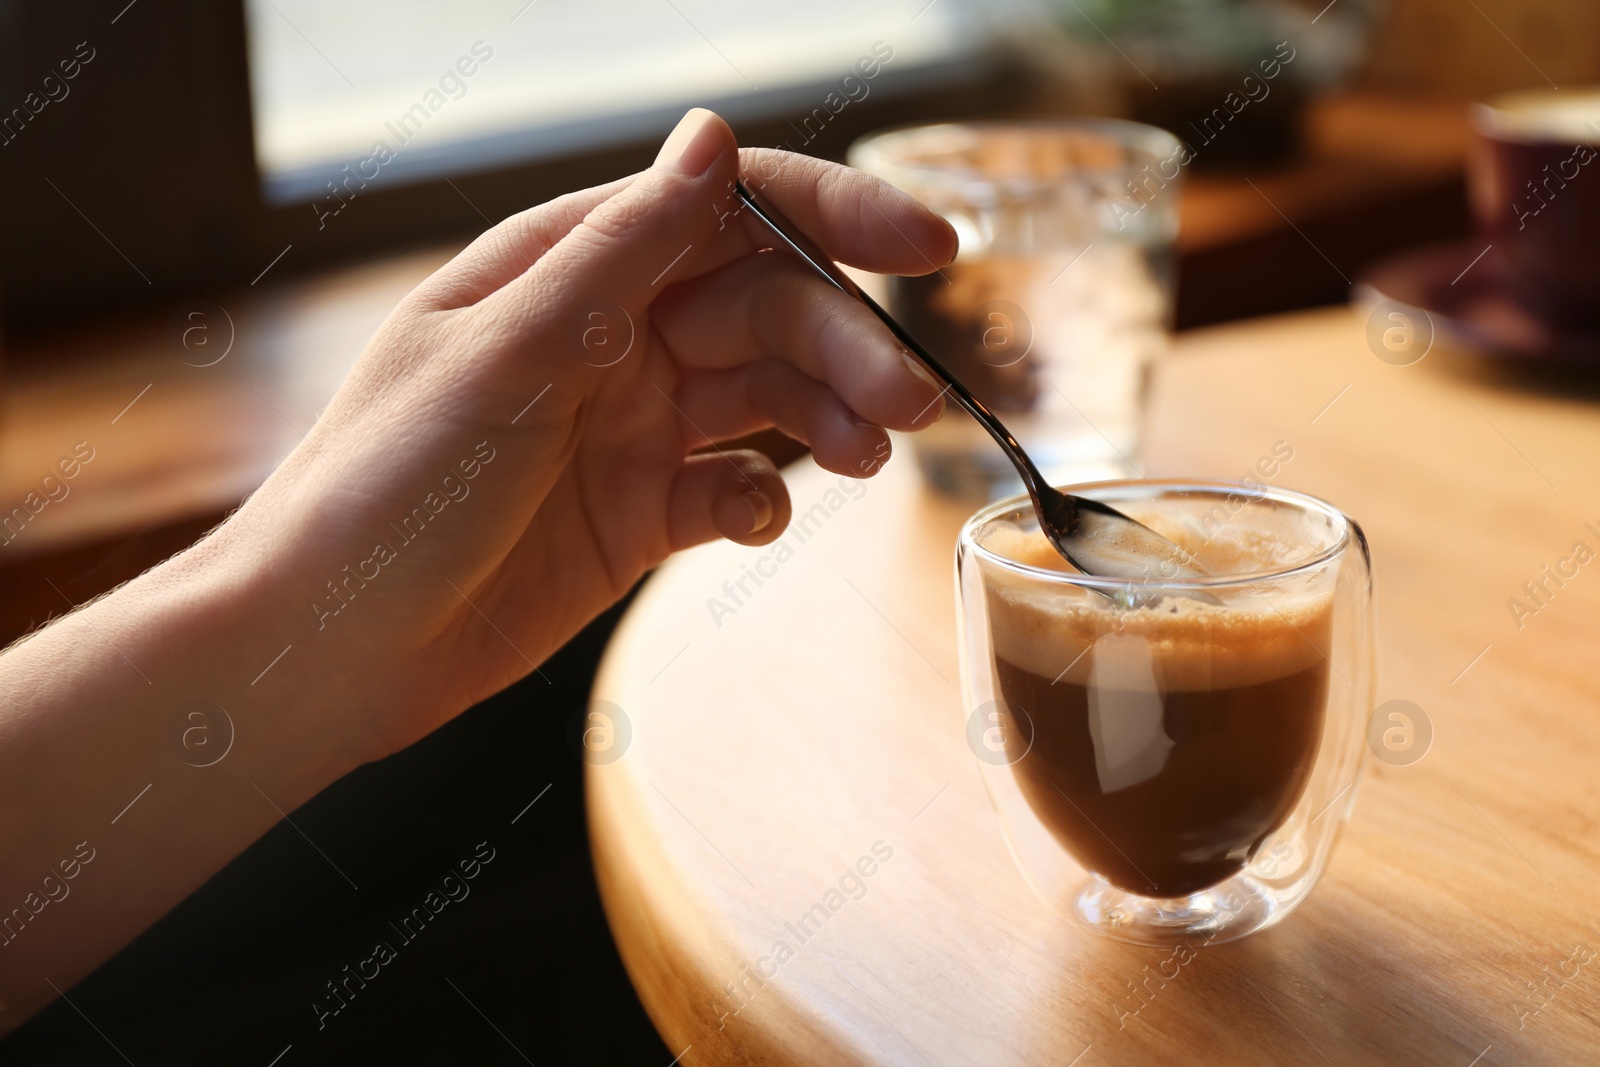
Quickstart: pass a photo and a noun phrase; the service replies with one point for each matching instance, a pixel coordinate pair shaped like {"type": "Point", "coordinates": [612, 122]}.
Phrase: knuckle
{"type": "Point", "coordinates": [831, 327]}
{"type": "Point", "coordinates": [508, 243]}
{"type": "Point", "coordinates": [853, 189]}
{"type": "Point", "coordinates": [615, 219]}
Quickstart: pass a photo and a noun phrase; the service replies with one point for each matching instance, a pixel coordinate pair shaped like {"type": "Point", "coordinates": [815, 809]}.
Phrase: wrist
{"type": "Point", "coordinates": [220, 628]}
{"type": "Point", "coordinates": [291, 575]}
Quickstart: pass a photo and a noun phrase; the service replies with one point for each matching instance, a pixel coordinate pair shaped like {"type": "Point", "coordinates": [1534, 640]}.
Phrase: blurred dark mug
{"type": "Point", "coordinates": [1534, 178]}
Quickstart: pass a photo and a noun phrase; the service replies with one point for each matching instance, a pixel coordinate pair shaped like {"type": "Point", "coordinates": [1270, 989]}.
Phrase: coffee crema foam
{"type": "Point", "coordinates": [1177, 643]}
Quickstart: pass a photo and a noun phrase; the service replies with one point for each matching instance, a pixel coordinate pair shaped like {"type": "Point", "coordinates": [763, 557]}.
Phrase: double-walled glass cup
{"type": "Point", "coordinates": [1171, 758]}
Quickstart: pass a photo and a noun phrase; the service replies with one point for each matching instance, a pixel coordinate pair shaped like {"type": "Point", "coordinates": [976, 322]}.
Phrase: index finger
{"type": "Point", "coordinates": [856, 218]}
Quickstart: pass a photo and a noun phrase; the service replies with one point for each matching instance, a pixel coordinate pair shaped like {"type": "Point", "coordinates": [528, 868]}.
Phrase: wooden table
{"type": "Point", "coordinates": [772, 746]}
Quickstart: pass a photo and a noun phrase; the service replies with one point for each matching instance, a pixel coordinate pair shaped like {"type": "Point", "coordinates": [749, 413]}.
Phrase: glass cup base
{"type": "Point", "coordinates": [1227, 911]}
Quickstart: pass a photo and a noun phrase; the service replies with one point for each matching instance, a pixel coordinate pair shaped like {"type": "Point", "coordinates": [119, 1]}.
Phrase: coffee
{"type": "Point", "coordinates": [1161, 745]}
{"type": "Point", "coordinates": [1535, 184]}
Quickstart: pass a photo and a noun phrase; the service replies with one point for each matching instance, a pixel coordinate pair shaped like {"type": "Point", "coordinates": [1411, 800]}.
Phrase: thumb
{"type": "Point", "coordinates": [632, 245]}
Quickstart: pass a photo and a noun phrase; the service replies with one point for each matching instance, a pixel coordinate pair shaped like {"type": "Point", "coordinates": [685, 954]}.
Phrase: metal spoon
{"type": "Point", "coordinates": [1094, 537]}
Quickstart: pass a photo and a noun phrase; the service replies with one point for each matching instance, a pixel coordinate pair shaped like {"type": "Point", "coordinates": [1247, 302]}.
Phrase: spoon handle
{"type": "Point", "coordinates": [808, 251]}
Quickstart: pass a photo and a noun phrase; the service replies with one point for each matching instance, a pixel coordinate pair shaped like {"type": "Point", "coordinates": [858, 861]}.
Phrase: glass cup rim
{"type": "Point", "coordinates": [1343, 524]}
{"type": "Point", "coordinates": [1139, 136]}
{"type": "Point", "coordinates": [1505, 116]}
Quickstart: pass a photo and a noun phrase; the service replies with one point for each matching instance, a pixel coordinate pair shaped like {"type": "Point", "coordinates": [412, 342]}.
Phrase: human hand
{"type": "Point", "coordinates": [517, 445]}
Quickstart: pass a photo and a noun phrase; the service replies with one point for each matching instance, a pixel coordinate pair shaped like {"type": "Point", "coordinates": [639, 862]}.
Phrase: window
{"type": "Point", "coordinates": [247, 110]}
{"type": "Point", "coordinates": [478, 84]}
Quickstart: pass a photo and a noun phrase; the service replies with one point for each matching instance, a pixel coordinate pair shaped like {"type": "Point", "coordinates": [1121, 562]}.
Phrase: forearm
{"type": "Point", "coordinates": [109, 815]}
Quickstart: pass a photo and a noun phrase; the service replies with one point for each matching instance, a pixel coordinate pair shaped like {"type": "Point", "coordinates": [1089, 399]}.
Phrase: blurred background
{"type": "Point", "coordinates": [208, 206]}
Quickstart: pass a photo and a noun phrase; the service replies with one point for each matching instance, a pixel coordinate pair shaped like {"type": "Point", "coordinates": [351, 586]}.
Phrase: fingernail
{"type": "Point", "coordinates": [935, 410]}
{"type": "Point", "coordinates": [920, 371]}
{"type": "Point", "coordinates": [692, 146]}
{"type": "Point", "coordinates": [760, 509]}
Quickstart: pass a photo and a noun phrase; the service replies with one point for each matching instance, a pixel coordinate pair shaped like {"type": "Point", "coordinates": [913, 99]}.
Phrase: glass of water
{"type": "Point", "coordinates": [1060, 298]}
